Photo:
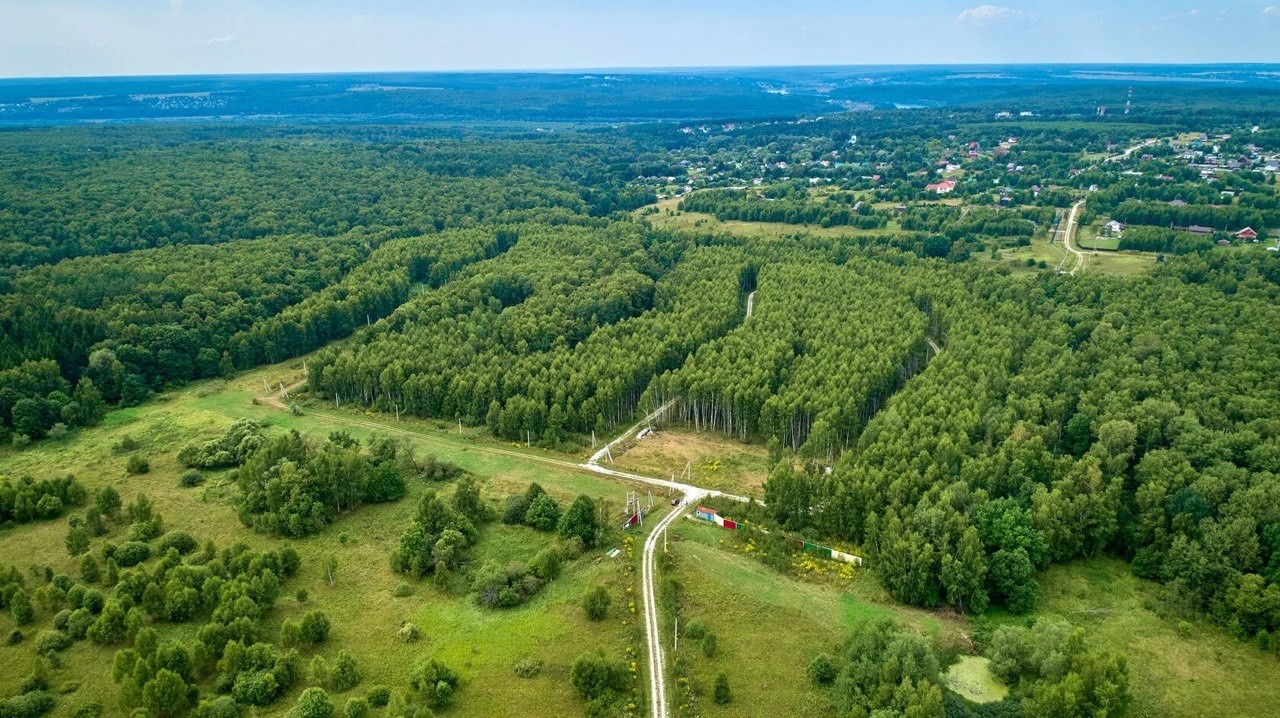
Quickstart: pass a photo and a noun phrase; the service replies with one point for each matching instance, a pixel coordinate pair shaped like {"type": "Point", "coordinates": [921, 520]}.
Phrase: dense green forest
{"type": "Point", "coordinates": [962, 425]}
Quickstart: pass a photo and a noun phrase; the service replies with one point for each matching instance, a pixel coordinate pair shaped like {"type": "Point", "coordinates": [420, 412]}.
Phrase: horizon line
{"type": "Point", "coordinates": [637, 69]}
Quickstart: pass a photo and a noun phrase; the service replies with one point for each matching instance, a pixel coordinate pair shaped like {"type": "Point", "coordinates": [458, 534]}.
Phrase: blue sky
{"type": "Point", "coordinates": [121, 37]}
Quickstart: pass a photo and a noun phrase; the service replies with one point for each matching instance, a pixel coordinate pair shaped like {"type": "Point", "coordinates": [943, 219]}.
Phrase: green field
{"type": "Point", "coordinates": [1108, 243]}
{"type": "Point", "coordinates": [769, 626]}
{"type": "Point", "coordinates": [481, 644]}
{"type": "Point", "coordinates": [1204, 672]}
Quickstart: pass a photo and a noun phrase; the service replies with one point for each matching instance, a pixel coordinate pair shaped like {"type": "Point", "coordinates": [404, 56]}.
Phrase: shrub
{"type": "Point", "coordinates": [313, 703]}
{"type": "Point", "coordinates": [709, 645]}
{"type": "Point", "coordinates": [408, 633]}
{"type": "Point", "coordinates": [14, 638]}
{"type": "Point", "coordinates": [357, 708]}
{"type": "Point", "coordinates": [290, 561]}
{"type": "Point", "coordinates": [21, 608]}
{"type": "Point", "coordinates": [822, 670]}
{"type": "Point", "coordinates": [180, 541]}
{"type": "Point", "coordinates": [345, 674]}
{"type": "Point", "coordinates": [107, 501]}
{"type": "Point", "coordinates": [27, 705]}
{"type": "Point", "coordinates": [131, 553]}
{"type": "Point", "coordinates": [145, 530]}
{"type": "Point", "coordinates": [543, 514]}
{"type": "Point", "coordinates": [93, 521]}
{"type": "Point", "coordinates": [379, 696]}
{"type": "Point", "coordinates": [694, 630]}
{"type": "Point", "coordinates": [93, 600]}
{"type": "Point", "coordinates": [166, 695]}
{"type": "Point", "coordinates": [514, 512]}
{"type": "Point", "coordinates": [301, 595]}
{"type": "Point", "coordinates": [402, 590]}
{"type": "Point", "coordinates": [49, 506]}
{"type": "Point", "coordinates": [89, 569]}
{"type": "Point", "coordinates": [220, 707]}
{"type": "Point", "coordinates": [77, 537]}
{"type": "Point", "coordinates": [92, 709]}
{"type": "Point", "coordinates": [435, 682]}
{"type": "Point", "coordinates": [596, 603]}
{"type": "Point", "coordinates": [49, 642]}
{"type": "Point", "coordinates": [315, 627]}
{"type": "Point", "coordinates": [722, 696]}
{"type": "Point", "coordinates": [594, 676]}
{"type": "Point", "coordinates": [580, 521]}
{"type": "Point", "coordinates": [546, 564]}
{"type": "Point", "coordinates": [110, 626]}
{"type": "Point", "coordinates": [78, 623]}
{"type": "Point", "coordinates": [528, 668]}
{"type": "Point", "coordinates": [290, 633]}
{"type": "Point", "coordinates": [190, 479]}
{"type": "Point", "coordinates": [137, 464]}
{"type": "Point", "coordinates": [319, 671]}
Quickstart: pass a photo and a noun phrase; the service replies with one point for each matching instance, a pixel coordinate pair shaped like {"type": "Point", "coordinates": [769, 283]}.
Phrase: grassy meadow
{"type": "Point", "coordinates": [482, 644]}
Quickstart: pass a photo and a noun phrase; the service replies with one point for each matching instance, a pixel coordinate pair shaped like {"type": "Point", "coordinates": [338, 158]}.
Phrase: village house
{"type": "Point", "coordinates": [943, 187]}
{"type": "Point", "coordinates": [1114, 228]}
{"type": "Point", "coordinates": [1247, 233]}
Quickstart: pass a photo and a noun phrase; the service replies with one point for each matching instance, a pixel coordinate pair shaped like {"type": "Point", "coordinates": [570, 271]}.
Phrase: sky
{"type": "Point", "coordinates": [50, 38]}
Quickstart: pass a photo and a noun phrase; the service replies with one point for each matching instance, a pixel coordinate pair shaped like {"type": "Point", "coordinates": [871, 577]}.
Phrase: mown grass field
{"type": "Point", "coordinates": [483, 645]}
{"type": "Point", "coordinates": [716, 462]}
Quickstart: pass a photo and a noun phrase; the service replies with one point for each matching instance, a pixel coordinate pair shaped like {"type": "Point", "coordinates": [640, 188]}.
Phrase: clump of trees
{"type": "Point", "coordinates": [240, 441]}
{"type": "Point", "coordinates": [294, 487]}
{"type": "Point", "coordinates": [27, 500]}
{"type": "Point", "coordinates": [437, 539]}
{"type": "Point", "coordinates": [1055, 672]}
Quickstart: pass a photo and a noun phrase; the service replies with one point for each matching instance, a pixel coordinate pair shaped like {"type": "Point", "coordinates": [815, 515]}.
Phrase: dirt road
{"type": "Point", "coordinates": [1068, 231]}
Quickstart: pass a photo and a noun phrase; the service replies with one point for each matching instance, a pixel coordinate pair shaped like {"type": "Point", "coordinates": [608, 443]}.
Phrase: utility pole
{"type": "Point", "coordinates": [593, 439]}
{"type": "Point", "coordinates": [675, 643]}
{"type": "Point", "coordinates": [459, 426]}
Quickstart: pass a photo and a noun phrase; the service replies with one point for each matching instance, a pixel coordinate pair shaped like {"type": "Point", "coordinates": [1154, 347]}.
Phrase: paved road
{"type": "Point", "coordinates": [1125, 155]}
{"type": "Point", "coordinates": [1068, 231]}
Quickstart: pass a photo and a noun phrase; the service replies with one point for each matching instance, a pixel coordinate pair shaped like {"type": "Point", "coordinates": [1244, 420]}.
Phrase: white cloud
{"type": "Point", "coordinates": [224, 40]}
{"type": "Point", "coordinates": [1273, 11]}
{"type": "Point", "coordinates": [989, 13]}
